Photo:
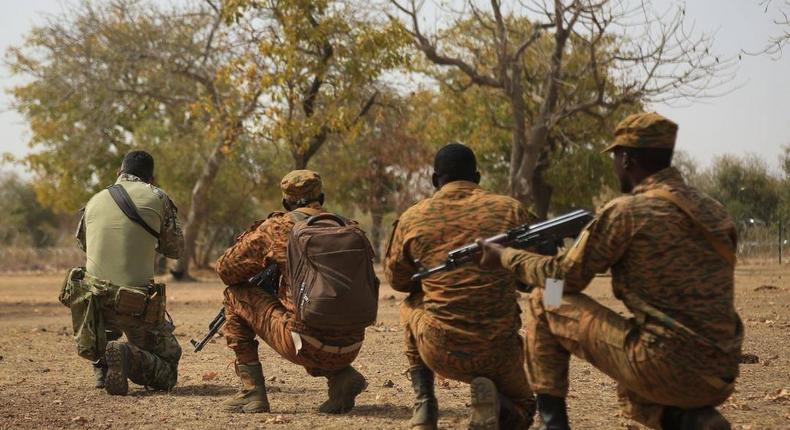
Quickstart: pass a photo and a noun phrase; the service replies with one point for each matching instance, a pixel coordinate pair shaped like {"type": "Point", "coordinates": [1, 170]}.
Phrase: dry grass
{"type": "Point", "coordinates": [39, 260]}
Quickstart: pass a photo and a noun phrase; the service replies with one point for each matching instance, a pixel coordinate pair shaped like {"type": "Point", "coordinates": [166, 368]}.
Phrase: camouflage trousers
{"type": "Point", "coordinates": [250, 311]}
{"type": "Point", "coordinates": [465, 358]}
{"type": "Point", "coordinates": [155, 352]}
{"type": "Point", "coordinates": [649, 375]}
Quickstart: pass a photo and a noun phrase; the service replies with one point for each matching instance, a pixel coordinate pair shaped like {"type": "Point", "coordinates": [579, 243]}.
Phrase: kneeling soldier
{"type": "Point", "coordinates": [462, 324]}
{"type": "Point", "coordinates": [252, 311]}
{"type": "Point", "coordinates": [121, 230]}
{"type": "Point", "coordinates": [671, 252]}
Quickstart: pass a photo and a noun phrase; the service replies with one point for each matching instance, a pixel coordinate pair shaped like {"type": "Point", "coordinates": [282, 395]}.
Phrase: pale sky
{"type": "Point", "coordinates": [754, 118]}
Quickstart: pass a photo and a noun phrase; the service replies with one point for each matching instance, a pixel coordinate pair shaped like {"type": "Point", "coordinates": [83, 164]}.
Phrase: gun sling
{"type": "Point", "coordinates": [720, 247]}
{"type": "Point", "coordinates": [125, 203]}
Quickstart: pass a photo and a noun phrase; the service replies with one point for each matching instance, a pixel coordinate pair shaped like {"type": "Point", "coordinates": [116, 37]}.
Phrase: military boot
{"type": "Point", "coordinates": [553, 412]}
{"type": "Point", "coordinates": [252, 397]}
{"type": "Point", "coordinates": [100, 373]}
{"type": "Point", "coordinates": [707, 418]}
{"type": "Point", "coordinates": [344, 386]}
{"type": "Point", "coordinates": [118, 359]}
{"type": "Point", "coordinates": [511, 417]}
{"type": "Point", "coordinates": [485, 405]}
{"type": "Point", "coordinates": [426, 407]}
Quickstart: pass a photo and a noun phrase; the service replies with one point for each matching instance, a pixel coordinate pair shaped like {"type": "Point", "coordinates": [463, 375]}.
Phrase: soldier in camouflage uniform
{"type": "Point", "coordinates": [251, 311]}
{"type": "Point", "coordinates": [120, 254]}
{"type": "Point", "coordinates": [462, 324]}
{"type": "Point", "coordinates": [670, 249]}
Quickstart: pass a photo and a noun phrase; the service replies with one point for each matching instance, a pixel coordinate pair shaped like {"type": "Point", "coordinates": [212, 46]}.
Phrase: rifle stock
{"type": "Point", "coordinates": [213, 328]}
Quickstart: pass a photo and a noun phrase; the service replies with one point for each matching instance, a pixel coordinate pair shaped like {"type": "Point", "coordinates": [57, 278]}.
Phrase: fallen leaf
{"type": "Point", "coordinates": [749, 359]}
{"type": "Point", "coordinates": [781, 395]}
{"type": "Point", "coordinates": [209, 376]}
{"type": "Point", "coordinates": [766, 288]}
{"type": "Point", "coordinates": [388, 383]}
{"type": "Point", "coordinates": [79, 420]}
{"type": "Point", "coordinates": [279, 419]}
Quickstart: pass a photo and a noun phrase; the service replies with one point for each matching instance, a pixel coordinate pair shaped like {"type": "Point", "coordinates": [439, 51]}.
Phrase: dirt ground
{"type": "Point", "coordinates": [43, 384]}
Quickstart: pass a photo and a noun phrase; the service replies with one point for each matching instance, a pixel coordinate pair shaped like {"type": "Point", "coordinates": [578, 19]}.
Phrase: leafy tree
{"type": "Point", "coordinates": [102, 80]}
{"type": "Point", "coordinates": [25, 221]}
{"type": "Point", "coordinates": [784, 210]}
{"type": "Point", "coordinates": [745, 186]}
{"type": "Point", "coordinates": [322, 59]}
{"type": "Point", "coordinates": [577, 61]}
{"type": "Point", "coordinates": [384, 168]}
{"type": "Point", "coordinates": [481, 117]}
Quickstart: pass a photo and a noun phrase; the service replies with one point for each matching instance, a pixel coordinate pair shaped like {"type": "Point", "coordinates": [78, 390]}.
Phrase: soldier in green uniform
{"type": "Point", "coordinates": [462, 324]}
{"type": "Point", "coordinates": [116, 289]}
{"type": "Point", "coordinates": [670, 249]}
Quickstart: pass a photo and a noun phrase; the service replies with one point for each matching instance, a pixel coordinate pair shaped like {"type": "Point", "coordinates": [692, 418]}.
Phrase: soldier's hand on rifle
{"type": "Point", "coordinates": [490, 258]}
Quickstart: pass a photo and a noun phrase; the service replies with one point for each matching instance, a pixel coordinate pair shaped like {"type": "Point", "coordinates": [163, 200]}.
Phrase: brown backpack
{"type": "Point", "coordinates": [330, 273]}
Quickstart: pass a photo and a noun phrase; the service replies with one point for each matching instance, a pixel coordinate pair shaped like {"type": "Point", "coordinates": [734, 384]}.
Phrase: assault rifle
{"type": "Point", "coordinates": [523, 236]}
{"type": "Point", "coordinates": [268, 279]}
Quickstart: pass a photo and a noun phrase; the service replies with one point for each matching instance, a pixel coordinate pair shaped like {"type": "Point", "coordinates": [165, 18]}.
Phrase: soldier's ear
{"type": "Point", "coordinates": [627, 161]}
{"type": "Point", "coordinates": [286, 205]}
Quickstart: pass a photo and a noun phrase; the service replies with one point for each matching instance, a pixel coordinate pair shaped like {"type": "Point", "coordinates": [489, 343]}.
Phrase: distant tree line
{"type": "Point", "coordinates": [228, 96]}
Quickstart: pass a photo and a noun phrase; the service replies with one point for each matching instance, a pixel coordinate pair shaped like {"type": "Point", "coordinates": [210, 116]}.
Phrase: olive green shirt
{"type": "Point", "coordinates": [117, 249]}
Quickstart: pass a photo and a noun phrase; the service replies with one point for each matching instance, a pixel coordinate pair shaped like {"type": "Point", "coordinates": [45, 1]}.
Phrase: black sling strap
{"type": "Point", "coordinates": [128, 208]}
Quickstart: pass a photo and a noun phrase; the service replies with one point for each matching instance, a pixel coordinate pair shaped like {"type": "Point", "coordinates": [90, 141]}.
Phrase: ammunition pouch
{"type": "Point", "coordinates": [147, 305]}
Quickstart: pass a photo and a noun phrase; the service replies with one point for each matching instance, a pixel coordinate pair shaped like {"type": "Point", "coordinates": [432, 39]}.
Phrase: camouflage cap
{"type": "Point", "coordinates": [301, 186]}
{"type": "Point", "coordinates": [644, 130]}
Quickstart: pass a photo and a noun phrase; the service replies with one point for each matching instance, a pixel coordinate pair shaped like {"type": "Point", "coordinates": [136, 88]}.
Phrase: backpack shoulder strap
{"type": "Point", "coordinates": [718, 245]}
{"type": "Point", "coordinates": [302, 214]}
{"type": "Point", "coordinates": [125, 203]}
{"type": "Point", "coordinates": [297, 216]}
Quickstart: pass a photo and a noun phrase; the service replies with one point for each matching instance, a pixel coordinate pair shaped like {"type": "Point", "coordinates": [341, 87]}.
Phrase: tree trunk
{"type": "Point", "coordinates": [203, 258]}
{"type": "Point", "coordinates": [519, 142]}
{"type": "Point", "coordinates": [525, 187]}
{"type": "Point", "coordinates": [542, 189]}
{"type": "Point", "coordinates": [300, 161]}
{"type": "Point", "coordinates": [377, 219]}
{"type": "Point", "coordinates": [197, 212]}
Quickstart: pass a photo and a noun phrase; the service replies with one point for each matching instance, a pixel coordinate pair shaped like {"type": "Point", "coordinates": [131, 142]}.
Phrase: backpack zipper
{"type": "Point", "coordinates": [303, 299]}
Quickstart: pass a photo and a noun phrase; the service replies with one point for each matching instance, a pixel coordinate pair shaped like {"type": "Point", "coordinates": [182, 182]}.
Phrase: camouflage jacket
{"type": "Point", "coordinates": [467, 301]}
{"type": "Point", "coordinates": [264, 242]}
{"type": "Point", "coordinates": [660, 261]}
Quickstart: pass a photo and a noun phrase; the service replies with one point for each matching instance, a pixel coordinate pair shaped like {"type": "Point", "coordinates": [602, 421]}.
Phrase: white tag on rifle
{"type": "Point", "coordinates": [552, 295]}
